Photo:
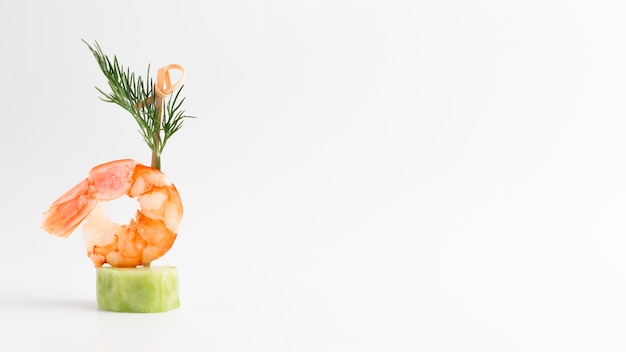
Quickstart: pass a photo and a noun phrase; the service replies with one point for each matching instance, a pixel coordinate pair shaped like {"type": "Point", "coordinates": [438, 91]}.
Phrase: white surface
{"type": "Point", "coordinates": [362, 175]}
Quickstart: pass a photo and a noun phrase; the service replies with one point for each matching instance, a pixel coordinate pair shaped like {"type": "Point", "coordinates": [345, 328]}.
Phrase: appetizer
{"type": "Point", "coordinates": [122, 254]}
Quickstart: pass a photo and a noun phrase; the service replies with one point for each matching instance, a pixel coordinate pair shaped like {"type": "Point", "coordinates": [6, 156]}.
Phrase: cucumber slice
{"type": "Point", "coordinates": [137, 290]}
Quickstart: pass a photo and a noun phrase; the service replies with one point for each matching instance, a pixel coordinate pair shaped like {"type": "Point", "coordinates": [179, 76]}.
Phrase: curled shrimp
{"type": "Point", "coordinates": [148, 236]}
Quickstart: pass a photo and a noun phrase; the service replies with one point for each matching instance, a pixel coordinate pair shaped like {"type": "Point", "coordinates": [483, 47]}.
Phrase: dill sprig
{"type": "Point", "coordinates": [133, 94]}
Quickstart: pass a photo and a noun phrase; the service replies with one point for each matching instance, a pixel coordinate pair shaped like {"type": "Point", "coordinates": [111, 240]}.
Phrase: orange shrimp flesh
{"type": "Point", "coordinates": [148, 236]}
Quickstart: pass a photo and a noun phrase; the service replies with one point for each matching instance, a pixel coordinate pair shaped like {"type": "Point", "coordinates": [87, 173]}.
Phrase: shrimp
{"type": "Point", "coordinates": [148, 236]}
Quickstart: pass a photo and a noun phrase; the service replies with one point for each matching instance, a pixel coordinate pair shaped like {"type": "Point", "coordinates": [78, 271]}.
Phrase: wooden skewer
{"type": "Point", "coordinates": [163, 87]}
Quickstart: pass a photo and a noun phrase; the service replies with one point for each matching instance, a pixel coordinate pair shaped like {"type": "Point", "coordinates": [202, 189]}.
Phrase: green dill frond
{"type": "Point", "coordinates": [136, 95]}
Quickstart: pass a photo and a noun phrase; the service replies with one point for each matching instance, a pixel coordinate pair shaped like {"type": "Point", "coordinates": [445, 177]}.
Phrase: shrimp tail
{"type": "Point", "coordinates": [67, 212]}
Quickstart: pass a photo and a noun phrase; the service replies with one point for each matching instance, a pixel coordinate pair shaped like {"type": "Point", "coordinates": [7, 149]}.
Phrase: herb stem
{"type": "Point", "coordinates": [156, 135]}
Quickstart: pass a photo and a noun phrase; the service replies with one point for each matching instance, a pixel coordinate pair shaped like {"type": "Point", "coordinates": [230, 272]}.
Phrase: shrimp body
{"type": "Point", "coordinates": [148, 236]}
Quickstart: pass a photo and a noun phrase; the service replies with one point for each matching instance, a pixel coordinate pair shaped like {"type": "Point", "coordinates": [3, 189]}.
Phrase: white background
{"type": "Point", "coordinates": [361, 175]}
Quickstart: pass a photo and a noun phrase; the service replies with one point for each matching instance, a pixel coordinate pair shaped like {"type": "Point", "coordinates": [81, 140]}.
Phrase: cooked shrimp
{"type": "Point", "coordinates": [148, 236]}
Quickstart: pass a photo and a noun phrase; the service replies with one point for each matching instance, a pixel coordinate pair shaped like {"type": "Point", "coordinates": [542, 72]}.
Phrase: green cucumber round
{"type": "Point", "coordinates": [137, 290]}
